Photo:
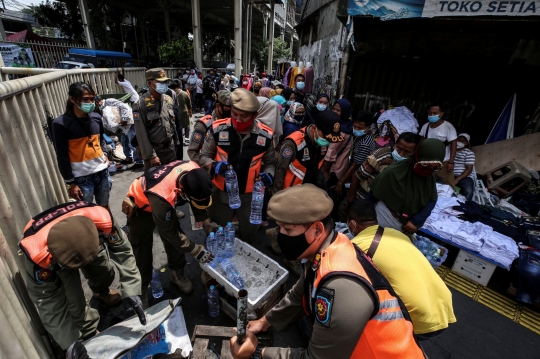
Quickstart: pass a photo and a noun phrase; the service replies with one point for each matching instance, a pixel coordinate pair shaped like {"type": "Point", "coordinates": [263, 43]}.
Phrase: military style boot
{"type": "Point", "coordinates": [183, 282]}
{"type": "Point", "coordinates": [108, 296]}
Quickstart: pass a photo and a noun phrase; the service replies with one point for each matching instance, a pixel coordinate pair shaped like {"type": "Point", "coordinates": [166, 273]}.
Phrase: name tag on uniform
{"type": "Point", "coordinates": [261, 140]}
{"type": "Point", "coordinates": [152, 115]}
{"type": "Point", "coordinates": [223, 136]}
{"type": "Point", "coordinates": [306, 154]}
{"type": "Point", "coordinates": [223, 143]}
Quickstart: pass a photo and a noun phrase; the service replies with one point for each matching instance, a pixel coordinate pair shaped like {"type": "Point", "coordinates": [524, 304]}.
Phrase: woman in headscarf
{"type": "Point", "coordinates": [406, 191]}
{"type": "Point", "coordinates": [344, 109]}
{"type": "Point", "coordinates": [281, 102]}
{"type": "Point", "coordinates": [265, 92]}
{"type": "Point", "coordinates": [293, 119]}
{"type": "Point", "coordinates": [270, 115]}
{"type": "Point", "coordinates": [275, 93]}
{"type": "Point", "coordinates": [322, 104]}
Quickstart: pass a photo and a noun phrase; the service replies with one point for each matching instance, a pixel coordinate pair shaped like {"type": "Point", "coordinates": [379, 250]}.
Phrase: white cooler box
{"type": "Point", "coordinates": [262, 275]}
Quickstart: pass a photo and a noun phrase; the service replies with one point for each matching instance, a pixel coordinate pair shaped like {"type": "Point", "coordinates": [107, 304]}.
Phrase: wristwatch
{"type": "Point", "coordinates": [258, 352]}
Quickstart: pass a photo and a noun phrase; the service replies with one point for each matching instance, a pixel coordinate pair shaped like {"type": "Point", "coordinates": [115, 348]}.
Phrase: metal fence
{"type": "Point", "coordinates": [30, 183]}
{"type": "Point", "coordinates": [46, 54]}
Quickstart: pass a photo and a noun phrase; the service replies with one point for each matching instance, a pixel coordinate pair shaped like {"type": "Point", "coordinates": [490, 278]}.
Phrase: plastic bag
{"type": "Point", "coordinates": [111, 118]}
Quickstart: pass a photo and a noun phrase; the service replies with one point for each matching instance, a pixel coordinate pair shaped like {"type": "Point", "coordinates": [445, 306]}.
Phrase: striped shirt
{"type": "Point", "coordinates": [362, 147]}
{"type": "Point", "coordinates": [463, 158]}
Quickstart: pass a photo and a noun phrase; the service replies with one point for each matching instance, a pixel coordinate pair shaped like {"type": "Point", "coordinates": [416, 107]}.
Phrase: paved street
{"type": "Point", "coordinates": [479, 332]}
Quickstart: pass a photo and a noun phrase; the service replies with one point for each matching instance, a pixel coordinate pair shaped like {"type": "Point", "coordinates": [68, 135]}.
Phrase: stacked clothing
{"type": "Point", "coordinates": [501, 249]}
{"type": "Point", "coordinates": [444, 190]}
{"type": "Point", "coordinates": [445, 205]}
{"type": "Point", "coordinates": [443, 224]}
{"type": "Point", "coordinates": [472, 235]}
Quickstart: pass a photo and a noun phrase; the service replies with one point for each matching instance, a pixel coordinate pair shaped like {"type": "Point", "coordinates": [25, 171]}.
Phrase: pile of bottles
{"type": "Point", "coordinates": [221, 245]}
{"type": "Point", "coordinates": [434, 253]}
{"type": "Point", "coordinates": [257, 196]}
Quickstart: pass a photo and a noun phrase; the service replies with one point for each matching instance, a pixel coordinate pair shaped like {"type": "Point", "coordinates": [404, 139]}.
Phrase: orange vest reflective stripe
{"type": "Point", "coordinates": [389, 333]}
{"type": "Point", "coordinates": [245, 157]}
{"type": "Point", "coordinates": [304, 161]}
{"type": "Point", "coordinates": [136, 193]}
{"type": "Point", "coordinates": [206, 121]}
{"type": "Point", "coordinates": [162, 180]}
{"type": "Point", "coordinates": [34, 242]}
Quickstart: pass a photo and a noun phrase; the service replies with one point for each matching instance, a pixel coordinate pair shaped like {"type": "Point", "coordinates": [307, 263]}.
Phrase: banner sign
{"type": "Point", "coordinates": [401, 9]}
{"type": "Point", "coordinates": [16, 55]}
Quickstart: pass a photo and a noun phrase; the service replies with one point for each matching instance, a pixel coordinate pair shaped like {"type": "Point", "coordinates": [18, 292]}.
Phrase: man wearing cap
{"type": "Point", "coordinates": [246, 144]}
{"type": "Point", "coordinates": [154, 197]}
{"type": "Point", "coordinates": [204, 124]}
{"type": "Point", "coordinates": [353, 310]}
{"type": "Point", "coordinates": [300, 158]}
{"type": "Point", "coordinates": [155, 128]}
{"type": "Point", "coordinates": [59, 242]}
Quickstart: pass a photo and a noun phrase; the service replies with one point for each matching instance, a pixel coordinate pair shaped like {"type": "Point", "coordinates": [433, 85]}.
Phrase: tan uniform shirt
{"type": "Point", "coordinates": [282, 165]}
{"type": "Point", "coordinates": [209, 150]}
{"type": "Point", "coordinates": [154, 125]}
{"type": "Point", "coordinates": [197, 139]}
{"type": "Point", "coordinates": [351, 309]}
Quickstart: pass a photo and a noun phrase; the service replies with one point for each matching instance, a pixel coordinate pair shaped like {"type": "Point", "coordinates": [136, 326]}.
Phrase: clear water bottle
{"type": "Point", "coordinates": [155, 284]}
{"type": "Point", "coordinates": [213, 301]}
{"type": "Point", "coordinates": [232, 274]}
{"type": "Point", "coordinates": [211, 243]}
{"type": "Point", "coordinates": [229, 241]}
{"type": "Point", "coordinates": [220, 240]}
{"type": "Point", "coordinates": [257, 201]}
{"type": "Point", "coordinates": [231, 182]}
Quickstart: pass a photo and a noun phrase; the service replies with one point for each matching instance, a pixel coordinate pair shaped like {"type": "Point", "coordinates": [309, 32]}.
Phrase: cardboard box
{"type": "Point", "coordinates": [473, 267]}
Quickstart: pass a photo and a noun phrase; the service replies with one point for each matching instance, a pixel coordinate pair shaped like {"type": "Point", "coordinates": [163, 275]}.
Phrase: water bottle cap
{"type": "Point", "coordinates": [211, 287]}
{"type": "Point", "coordinates": [211, 234]}
{"type": "Point", "coordinates": [220, 228]}
{"type": "Point", "coordinates": [229, 224]}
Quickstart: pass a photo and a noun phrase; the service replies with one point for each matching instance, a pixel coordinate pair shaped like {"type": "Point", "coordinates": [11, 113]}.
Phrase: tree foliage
{"type": "Point", "coordinates": [259, 52]}
{"type": "Point", "coordinates": [65, 16]}
{"type": "Point", "coordinates": [176, 50]}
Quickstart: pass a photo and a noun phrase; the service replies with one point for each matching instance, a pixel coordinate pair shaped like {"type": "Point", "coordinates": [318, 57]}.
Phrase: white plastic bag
{"type": "Point", "coordinates": [111, 118]}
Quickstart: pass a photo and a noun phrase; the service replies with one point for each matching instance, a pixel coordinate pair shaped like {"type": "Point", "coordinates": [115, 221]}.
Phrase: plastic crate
{"type": "Point", "coordinates": [255, 256]}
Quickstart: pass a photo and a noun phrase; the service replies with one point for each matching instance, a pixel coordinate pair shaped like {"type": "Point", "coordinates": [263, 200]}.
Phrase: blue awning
{"type": "Point", "coordinates": [98, 53]}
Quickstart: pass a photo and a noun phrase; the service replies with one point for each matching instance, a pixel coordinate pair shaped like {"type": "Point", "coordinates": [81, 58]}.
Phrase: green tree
{"type": "Point", "coordinates": [64, 16]}
{"type": "Point", "coordinates": [176, 50]}
{"type": "Point", "coordinates": [259, 52]}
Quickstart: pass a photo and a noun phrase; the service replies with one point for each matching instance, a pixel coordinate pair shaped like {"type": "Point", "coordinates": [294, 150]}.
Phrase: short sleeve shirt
{"type": "Point", "coordinates": [362, 147]}
{"type": "Point", "coordinates": [445, 132]}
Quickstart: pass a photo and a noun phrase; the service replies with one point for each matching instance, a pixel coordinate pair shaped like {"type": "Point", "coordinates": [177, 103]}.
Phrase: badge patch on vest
{"type": "Point", "coordinates": [306, 154]}
{"type": "Point", "coordinates": [287, 153]}
{"type": "Point", "coordinates": [323, 306]}
{"type": "Point", "coordinates": [135, 115]}
{"type": "Point", "coordinates": [207, 136]}
{"type": "Point", "coordinates": [261, 141]}
{"type": "Point", "coordinates": [114, 237]}
{"type": "Point", "coordinates": [197, 137]}
{"type": "Point", "coordinates": [223, 136]}
{"type": "Point", "coordinates": [168, 214]}
{"type": "Point", "coordinates": [43, 275]}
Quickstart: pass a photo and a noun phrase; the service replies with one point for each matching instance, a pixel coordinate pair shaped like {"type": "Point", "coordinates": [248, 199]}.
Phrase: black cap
{"type": "Point", "coordinates": [198, 186]}
{"type": "Point", "coordinates": [329, 123]}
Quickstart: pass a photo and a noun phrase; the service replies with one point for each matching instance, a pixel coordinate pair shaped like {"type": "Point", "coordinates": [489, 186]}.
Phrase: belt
{"type": "Point", "coordinates": [162, 145]}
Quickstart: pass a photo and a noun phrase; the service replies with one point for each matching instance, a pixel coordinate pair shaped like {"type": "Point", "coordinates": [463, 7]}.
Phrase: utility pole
{"type": "Point", "coordinates": [271, 38]}
{"type": "Point", "coordinates": [250, 22]}
{"type": "Point", "coordinates": [90, 43]}
{"type": "Point", "coordinates": [197, 33]}
{"type": "Point", "coordinates": [238, 37]}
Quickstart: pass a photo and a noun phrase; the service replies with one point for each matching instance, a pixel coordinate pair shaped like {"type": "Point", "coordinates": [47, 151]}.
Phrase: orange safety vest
{"type": "Point", "coordinates": [136, 193]}
{"type": "Point", "coordinates": [308, 159]}
{"type": "Point", "coordinates": [34, 242]}
{"type": "Point", "coordinates": [245, 157]}
{"type": "Point", "coordinates": [389, 332]}
{"type": "Point", "coordinates": [206, 121]}
{"type": "Point", "coordinates": [163, 180]}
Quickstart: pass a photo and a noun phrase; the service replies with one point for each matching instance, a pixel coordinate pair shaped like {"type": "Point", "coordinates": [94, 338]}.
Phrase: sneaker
{"type": "Point", "coordinates": [136, 166]}
{"type": "Point", "coordinates": [272, 234]}
{"type": "Point", "coordinates": [294, 267]}
{"type": "Point", "coordinates": [186, 141]}
{"type": "Point", "coordinates": [144, 298]}
{"type": "Point", "coordinates": [181, 281]}
{"type": "Point", "coordinates": [127, 162]}
{"type": "Point", "coordinates": [108, 296]}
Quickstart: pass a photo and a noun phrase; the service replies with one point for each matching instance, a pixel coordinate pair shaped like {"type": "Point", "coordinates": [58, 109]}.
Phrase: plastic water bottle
{"type": "Point", "coordinates": [229, 241]}
{"type": "Point", "coordinates": [213, 301]}
{"type": "Point", "coordinates": [232, 273]}
{"type": "Point", "coordinates": [211, 243]}
{"type": "Point", "coordinates": [155, 284]}
{"type": "Point", "coordinates": [220, 241]}
{"type": "Point", "coordinates": [257, 201]}
{"type": "Point", "coordinates": [231, 182]}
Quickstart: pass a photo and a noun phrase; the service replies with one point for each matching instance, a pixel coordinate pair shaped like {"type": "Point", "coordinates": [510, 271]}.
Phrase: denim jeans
{"type": "Point", "coordinates": [209, 107]}
{"type": "Point", "coordinates": [467, 187]}
{"type": "Point", "coordinates": [96, 185]}
{"type": "Point", "coordinates": [528, 285]}
{"type": "Point", "coordinates": [179, 149]}
{"type": "Point", "coordinates": [129, 150]}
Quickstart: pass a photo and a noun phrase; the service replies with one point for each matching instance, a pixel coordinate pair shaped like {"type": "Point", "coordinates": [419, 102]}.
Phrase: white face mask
{"type": "Point", "coordinates": [460, 145]}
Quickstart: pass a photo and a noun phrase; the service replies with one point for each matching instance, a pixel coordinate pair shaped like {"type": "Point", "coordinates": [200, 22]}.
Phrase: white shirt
{"type": "Point", "coordinates": [445, 132]}
{"type": "Point", "coordinates": [126, 85]}
{"type": "Point", "coordinates": [199, 86]}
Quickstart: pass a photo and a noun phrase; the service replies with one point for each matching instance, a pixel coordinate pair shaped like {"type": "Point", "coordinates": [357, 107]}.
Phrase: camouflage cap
{"type": "Point", "coordinates": [224, 97]}
{"type": "Point", "coordinates": [157, 74]}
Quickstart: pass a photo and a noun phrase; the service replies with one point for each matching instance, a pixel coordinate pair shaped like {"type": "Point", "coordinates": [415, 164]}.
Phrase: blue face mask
{"type": "Point", "coordinates": [433, 118]}
{"type": "Point", "coordinates": [300, 85]}
{"type": "Point", "coordinates": [161, 88]}
{"type": "Point", "coordinates": [101, 107]}
{"type": "Point", "coordinates": [397, 157]}
{"type": "Point", "coordinates": [321, 107]}
{"type": "Point", "coordinates": [289, 103]}
{"type": "Point", "coordinates": [358, 133]}
{"type": "Point", "coordinates": [87, 107]}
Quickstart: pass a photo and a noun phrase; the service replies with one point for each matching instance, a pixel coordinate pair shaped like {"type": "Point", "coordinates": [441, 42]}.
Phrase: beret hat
{"type": "Point", "coordinates": [300, 205]}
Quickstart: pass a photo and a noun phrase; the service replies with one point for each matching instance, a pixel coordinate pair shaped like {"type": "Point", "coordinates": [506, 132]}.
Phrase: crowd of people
{"type": "Point", "coordinates": [320, 162]}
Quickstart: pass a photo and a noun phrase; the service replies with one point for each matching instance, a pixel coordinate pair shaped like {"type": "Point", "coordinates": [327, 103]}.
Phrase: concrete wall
{"type": "Point", "coordinates": [324, 51]}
